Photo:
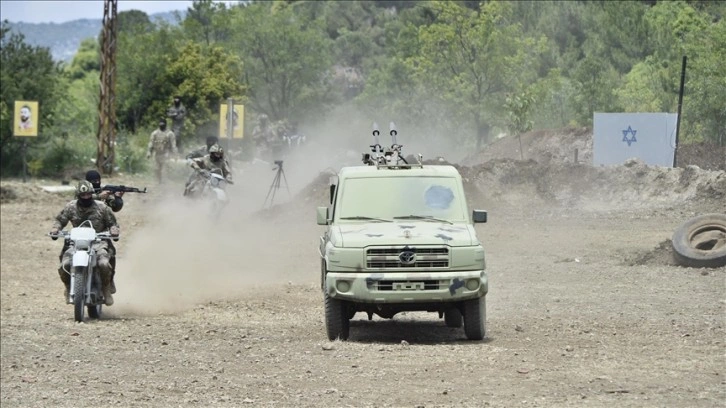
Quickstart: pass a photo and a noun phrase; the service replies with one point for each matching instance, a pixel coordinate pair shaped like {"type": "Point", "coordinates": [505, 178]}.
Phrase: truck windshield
{"type": "Point", "coordinates": [401, 197]}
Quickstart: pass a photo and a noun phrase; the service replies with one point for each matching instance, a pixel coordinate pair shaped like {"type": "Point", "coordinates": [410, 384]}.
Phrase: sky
{"type": "Point", "coordinates": [57, 11]}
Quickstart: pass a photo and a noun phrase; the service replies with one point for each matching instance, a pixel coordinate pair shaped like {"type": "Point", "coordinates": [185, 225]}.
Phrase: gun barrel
{"type": "Point", "coordinates": [393, 132]}
{"type": "Point", "coordinates": [376, 132]}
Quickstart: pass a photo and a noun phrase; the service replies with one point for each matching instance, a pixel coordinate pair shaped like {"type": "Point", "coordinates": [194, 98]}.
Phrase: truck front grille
{"type": "Point", "coordinates": [399, 257]}
{"type": "Point", "coordinates": [390, 285]}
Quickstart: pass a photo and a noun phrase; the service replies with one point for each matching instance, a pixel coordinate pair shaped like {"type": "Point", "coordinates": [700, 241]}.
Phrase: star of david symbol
{"type": "Point", "coordinates": [630, 139]}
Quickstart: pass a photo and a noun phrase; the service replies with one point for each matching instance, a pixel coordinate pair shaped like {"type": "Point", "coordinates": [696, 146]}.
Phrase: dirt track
{"type": "Point", "coordinates": [585, 309]}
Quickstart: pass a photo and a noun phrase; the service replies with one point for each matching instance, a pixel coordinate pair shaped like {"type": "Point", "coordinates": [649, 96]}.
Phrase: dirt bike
{"type": "Point", "coordinates": [212, 190]}
{"type": "Point", "coordinates": [86, 284]}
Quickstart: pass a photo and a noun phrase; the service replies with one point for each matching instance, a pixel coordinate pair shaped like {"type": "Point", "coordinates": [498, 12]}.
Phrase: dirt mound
{"type": "Point", "coordinates": [557, 172]}
{"type": "Point", "coordinates": [13, 190]}
{"type": "Point", "coordinates": [661, 255]}
{"type": "Point", "coordinates": [570, 185]}
{"type": "Point", "coordinates": [562, 145]}
{"type": "Point", "coordinates": [574, 145]}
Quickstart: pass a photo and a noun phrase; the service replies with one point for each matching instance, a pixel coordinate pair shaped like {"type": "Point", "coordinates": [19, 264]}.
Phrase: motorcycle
{"type": "Point", "coordinates": [212, 189]}
{"type": "Point", "coordinates": [86, 284]}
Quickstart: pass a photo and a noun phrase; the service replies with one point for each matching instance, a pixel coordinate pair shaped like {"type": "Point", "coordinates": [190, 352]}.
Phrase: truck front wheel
{"type": "Point", "coordinates": [475, 316]}
{"type": "Point", "coordinates": [337, 322]}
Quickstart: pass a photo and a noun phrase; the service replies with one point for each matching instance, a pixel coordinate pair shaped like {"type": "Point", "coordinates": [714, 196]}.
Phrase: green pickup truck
{"type": "Point", "coordinates": [400, 237]}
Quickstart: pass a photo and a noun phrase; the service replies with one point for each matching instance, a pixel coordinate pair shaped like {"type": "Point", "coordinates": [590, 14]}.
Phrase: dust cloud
{"type": "Point", "coordinates": [177, 257]}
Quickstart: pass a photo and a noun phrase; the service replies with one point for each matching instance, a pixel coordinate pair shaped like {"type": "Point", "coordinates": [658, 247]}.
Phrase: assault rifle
{"type": "Point", "coordinates": [115, 189]}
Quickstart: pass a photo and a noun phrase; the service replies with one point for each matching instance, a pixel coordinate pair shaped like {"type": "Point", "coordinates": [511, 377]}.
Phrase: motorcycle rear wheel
{"type": "Point", "coordinates": [94, 311]}
{"type": "Point", "coordinates": [79, 293]}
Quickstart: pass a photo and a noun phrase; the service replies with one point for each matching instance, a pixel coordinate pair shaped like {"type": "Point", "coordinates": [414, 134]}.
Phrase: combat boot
{"type": "Point", "coordinates": [107, 296]}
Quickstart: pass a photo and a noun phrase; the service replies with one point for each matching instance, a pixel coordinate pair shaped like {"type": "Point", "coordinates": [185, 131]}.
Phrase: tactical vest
{"type": "Point", "coordinates": [162, 141]}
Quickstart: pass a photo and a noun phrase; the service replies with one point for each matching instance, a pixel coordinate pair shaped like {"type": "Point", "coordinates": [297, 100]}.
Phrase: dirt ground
{"type": "Point", "coordinates": [586, 307]}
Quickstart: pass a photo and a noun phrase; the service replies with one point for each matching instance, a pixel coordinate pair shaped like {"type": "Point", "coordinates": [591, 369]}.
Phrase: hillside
{"type": "Point", "coordinates": [63, 39]}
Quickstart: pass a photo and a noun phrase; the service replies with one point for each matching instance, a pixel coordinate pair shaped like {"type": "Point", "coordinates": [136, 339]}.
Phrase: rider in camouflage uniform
{"type": "Point", "coordinates": [162, 145]}
{"type": "Point", "coordinates": [213, 162]}
{"type": "Point", "coordinates": [201, 152]}
{"type": "Point", "coordinates": [83, 208]}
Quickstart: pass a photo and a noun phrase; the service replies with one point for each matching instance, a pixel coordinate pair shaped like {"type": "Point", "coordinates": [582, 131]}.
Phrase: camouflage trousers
{"type": "Point", "coordinates": [159, 163]}
{"type": "Point", "coordinates": [194, 185]}
{"type": "Point", "coordinates": [105, 261]}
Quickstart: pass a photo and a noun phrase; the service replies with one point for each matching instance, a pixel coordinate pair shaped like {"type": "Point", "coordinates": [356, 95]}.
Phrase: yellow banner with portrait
{"type": "Point", "coordinates": [26, 118]}
{"type": "Point", "coordinates": [237, 120]}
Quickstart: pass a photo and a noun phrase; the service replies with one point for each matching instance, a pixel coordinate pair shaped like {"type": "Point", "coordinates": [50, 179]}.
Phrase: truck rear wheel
{"type": "Point", "coordinates": [337, 322]}
{"type": "Point", "coordinates": [475, 316]}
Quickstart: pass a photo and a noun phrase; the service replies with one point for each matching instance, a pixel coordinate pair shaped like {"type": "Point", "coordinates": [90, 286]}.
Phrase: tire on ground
{"type": "Point", "coordinates": [700, 242]}
{"type": "Point", "coordinates": [337, 323]}
{"type": "Point", "coordinates": [475, 316]}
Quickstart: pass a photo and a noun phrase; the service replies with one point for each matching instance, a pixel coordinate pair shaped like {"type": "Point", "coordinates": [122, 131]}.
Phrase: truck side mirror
{"type": "Point", "coordinates": [332, 193]}
{"type": "Point", "coordinates": [479, 216]}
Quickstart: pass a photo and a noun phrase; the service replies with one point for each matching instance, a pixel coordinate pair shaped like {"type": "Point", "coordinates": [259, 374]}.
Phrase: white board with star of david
{"type": "Point", "coordinates": [650, 137]}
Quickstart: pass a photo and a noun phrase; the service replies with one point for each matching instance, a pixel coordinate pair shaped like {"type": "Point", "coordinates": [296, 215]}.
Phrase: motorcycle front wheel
{"type": "Point", "coordinates": [94, 310]}
{"type": "Point", "coordinates": [79, 293]}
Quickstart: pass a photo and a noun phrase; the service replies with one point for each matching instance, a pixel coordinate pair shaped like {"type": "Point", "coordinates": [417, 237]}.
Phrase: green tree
{"type": "Point", "coordinates": [519, 107]}
{"type": "Point", "coordinates": [704, 110]}
{"type": "Point", "coordinates": [207, 22]}
{"type": "Point", "coordinates": [204, 78]}
{"type": "Point", "coordinates": [141, 63]}
{"type": "Point", "coordinates": [595, 82]}
{"type": "Point", "coordinates": [26, 73]}
{"type": "Point", "coordinates": [286, 60]}
{"type": "Point", "coordinates": [86, 61]}
{"type": "Point", "coordinates": [471, 59]}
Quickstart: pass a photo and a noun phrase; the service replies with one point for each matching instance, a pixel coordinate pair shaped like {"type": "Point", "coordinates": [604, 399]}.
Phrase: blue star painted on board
{"type": "Point", "coordinates": [630, 139]}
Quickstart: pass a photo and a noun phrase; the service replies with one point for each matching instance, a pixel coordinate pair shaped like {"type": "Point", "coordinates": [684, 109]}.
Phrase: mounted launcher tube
{"type": "Point", "coordinates": [391, 157]}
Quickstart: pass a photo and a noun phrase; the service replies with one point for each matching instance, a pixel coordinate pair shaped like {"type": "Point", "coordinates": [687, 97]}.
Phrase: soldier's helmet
{"type": "Point", "coordinates": [216, 152]}
{"type": "Point", "coordinates": [84, 187]}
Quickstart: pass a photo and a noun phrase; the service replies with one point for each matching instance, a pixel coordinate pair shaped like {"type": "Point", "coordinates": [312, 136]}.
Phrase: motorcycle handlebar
{"type": "Point", "coordinates": [100, 235]}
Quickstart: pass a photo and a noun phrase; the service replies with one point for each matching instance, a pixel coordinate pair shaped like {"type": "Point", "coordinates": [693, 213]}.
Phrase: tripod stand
{"type": "Point", "coordinates": [276, 183]}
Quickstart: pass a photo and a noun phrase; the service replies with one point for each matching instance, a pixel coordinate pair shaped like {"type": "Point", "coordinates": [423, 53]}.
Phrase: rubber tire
{"type": "Point", "coordinates": [701, 242]}
{"type": "Point", "coordinates": [94, 311]}
{"type": "Point", "coordinates": [475, 316]}
{"type": "Point", "coordinates": [453, 318]}
{"type": "Point", "coordinates": [79, 294]}
{"type": "Point", "coordinates": [337, 323]}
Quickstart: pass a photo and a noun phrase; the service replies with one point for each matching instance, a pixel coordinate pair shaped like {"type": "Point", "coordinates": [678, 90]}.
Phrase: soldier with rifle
{"type": "Point", "coordinates": [112, 197]}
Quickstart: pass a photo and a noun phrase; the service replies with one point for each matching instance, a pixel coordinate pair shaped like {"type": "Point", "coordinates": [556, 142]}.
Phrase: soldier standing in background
{"type": "Point", "coordinates": [162, 145]}
{"type": "Point", "coordinates": [177, 112]}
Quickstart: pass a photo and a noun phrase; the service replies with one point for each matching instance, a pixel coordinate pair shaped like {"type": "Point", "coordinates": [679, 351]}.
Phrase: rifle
{"type": "Point", "coordinates": [115, 189]}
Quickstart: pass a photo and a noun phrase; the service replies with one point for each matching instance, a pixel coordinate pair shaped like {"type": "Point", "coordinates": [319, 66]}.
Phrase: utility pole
{"type": "Point", "coordinates": [106, 133]}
